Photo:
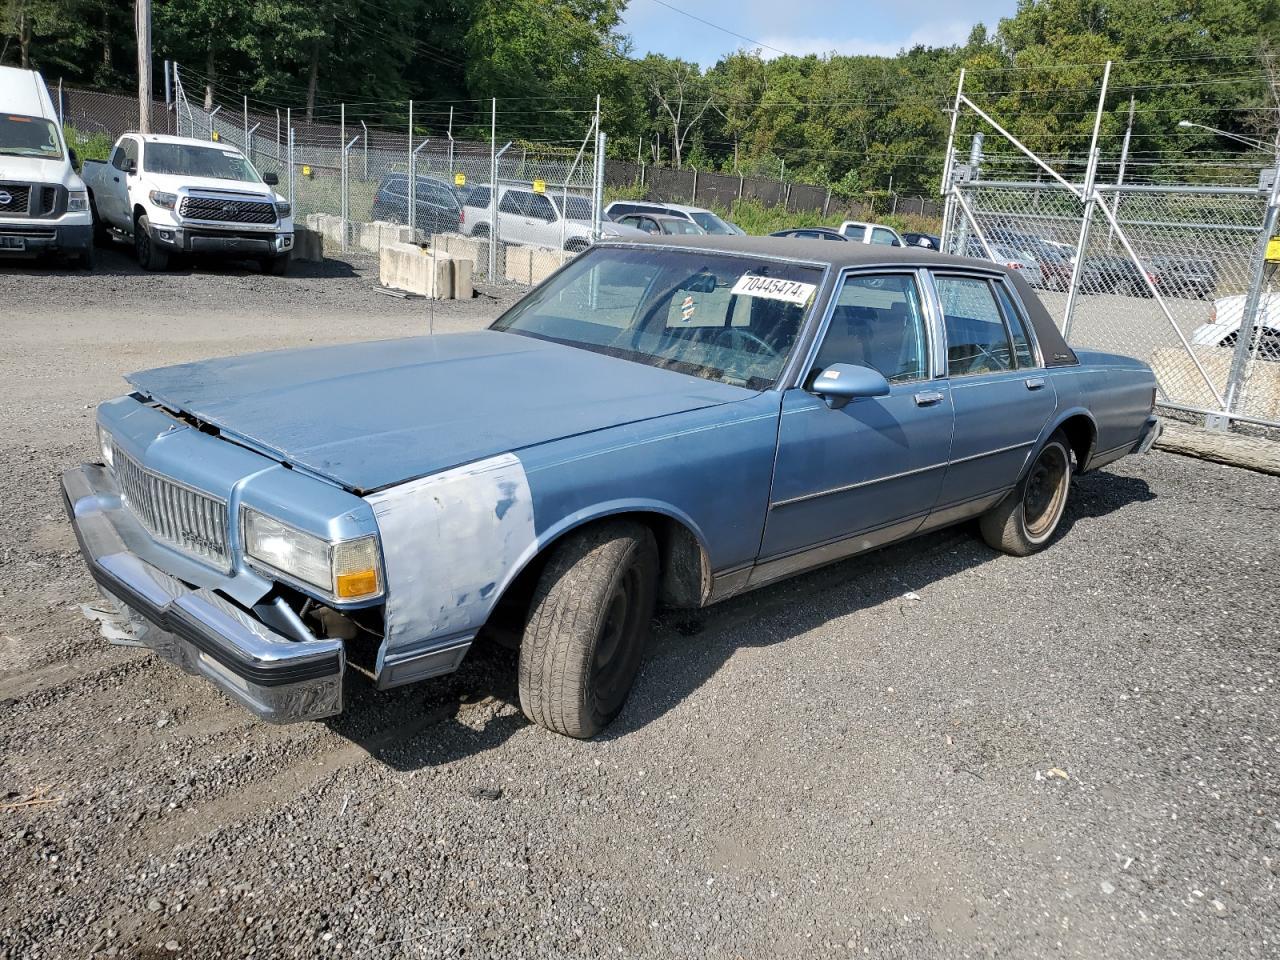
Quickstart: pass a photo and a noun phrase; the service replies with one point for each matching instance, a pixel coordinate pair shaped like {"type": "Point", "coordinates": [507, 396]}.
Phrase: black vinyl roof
{"type": "Point", "coordinates": [822, 252]}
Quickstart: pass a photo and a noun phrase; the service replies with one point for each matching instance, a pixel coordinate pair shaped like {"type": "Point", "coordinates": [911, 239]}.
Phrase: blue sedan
{"type": "Point", "coordinates": [662, 422]}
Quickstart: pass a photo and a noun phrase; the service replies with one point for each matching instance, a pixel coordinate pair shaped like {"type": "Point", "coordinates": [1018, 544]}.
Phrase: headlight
{"type": "Point", "coordinates": [283, 210]}
{"type": "Point", "coordinates": [344, 571]}
{"type": "Point", "coordinates": [165, 201]}
{"type": "Point", "coordinates": [77, 201]}
{"type": "Point", "coordinates": [108, 448]}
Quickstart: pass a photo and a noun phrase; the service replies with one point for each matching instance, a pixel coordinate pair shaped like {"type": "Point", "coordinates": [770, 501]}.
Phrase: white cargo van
{"type": "Point", "coordinates": [44, 206]}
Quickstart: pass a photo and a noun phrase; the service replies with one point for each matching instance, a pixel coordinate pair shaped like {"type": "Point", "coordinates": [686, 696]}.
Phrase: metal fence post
{"type": "Point", "coordinates": [493, 188]}
{"type": "Point", "coordinates": [411, 216]}
{"type": "Point", "coordinates": [1090, 201]}
{"type": "Point", "coordinates": [1251, 320]}
{"type": "Point", "coordinates": [449, 134]}
{"type": "Point", "coordinates": [246, 129]}
{"type": "Point", "coordinates": [364, 126]}
{"type": "Point", "coordinates": [597, 188]}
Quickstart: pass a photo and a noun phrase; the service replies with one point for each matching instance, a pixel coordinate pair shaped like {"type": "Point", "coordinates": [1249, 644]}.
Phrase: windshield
{"type": "Point", "coordinates": [29, 137]}
{"type": "Point", "coordinates": [184, 160]}
{"type": "Point", "coordinates": [575, 208]}
{"type": "Point", "coordinates": [725, 318]}
{"type": "Point", "coordinates": [709, 222]}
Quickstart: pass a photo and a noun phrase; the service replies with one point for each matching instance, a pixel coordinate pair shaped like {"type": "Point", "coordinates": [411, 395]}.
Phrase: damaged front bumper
{"type": "Point", "coordinates": [280, 680]}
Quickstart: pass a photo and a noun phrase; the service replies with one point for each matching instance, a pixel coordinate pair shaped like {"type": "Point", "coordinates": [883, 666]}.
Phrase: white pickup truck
{"type": "Point", "coordinates": [174, 195]}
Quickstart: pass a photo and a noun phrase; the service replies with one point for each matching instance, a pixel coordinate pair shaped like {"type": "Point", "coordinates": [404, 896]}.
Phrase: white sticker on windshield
{"type": "Point", "coordinates": [772, 288]}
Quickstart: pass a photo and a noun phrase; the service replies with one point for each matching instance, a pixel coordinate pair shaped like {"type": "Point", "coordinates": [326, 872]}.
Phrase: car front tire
{"type": "Point", "coordinates": [1026, 520]}
{"type": "Point", "coordinates": [587, 626]}
{"type": "Point", "coordinates": [150, 257]}
{"type": "Point", "coordinates": [276, 266]}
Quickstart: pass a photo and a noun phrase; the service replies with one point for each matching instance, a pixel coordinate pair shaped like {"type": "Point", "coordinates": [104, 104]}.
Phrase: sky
{"type": "Point", "coordinates": [804, 26]}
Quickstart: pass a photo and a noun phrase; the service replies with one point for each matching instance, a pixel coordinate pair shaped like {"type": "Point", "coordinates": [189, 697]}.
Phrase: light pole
{"type": "Point", "coordinates": [1247, 141]}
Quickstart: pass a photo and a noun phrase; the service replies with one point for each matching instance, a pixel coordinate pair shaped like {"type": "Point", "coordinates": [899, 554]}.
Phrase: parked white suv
{"type": "Point", "coordinates": [44, 207]}
{"type": "Point", "coordinates": [179, 195]}
{"type": "Point", "coordinates": [861, 232]}
{"type": "Point", "coordinates": [534, 219]}
{"type": "Point", "coordinates": [706, 219]}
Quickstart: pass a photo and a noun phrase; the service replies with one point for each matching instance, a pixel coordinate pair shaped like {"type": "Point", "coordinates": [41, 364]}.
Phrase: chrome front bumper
{"type": "Point", "coordinates": [278, 679]}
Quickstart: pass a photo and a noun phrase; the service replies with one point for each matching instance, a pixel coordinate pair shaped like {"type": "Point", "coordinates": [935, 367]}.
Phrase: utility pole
{"type": "Point", "coordinates": [142, 26]}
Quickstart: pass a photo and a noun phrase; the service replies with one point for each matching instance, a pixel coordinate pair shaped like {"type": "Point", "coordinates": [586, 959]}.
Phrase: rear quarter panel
{"type": "Point", "coordinates": [1115, 391]}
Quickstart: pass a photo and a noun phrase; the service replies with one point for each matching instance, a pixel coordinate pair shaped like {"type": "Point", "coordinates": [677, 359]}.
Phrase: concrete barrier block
{"type": "Point", "coordinates": [328, 225]}
{"type": "Point", "coordinates": [463, 269]}
{"type": "Point", "coordinates": [461, 248]}
{"type": "Point", "coordinates": [308, 245]}
{"type": "Point", "coordinates": [518, 267]}
{"type": "Point", "coordinates": [408, 267]}
{"type": "Point", "coordinates": [375, 234]}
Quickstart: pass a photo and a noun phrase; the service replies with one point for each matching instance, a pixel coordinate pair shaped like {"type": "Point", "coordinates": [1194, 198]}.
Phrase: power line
{"type": "Point", "coordinates": [716, 26]}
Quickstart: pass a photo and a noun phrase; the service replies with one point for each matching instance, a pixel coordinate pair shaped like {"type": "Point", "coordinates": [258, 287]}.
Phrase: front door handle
{"type": "Point", "coordinates": [1035, 383]}
{"type": "Point", "coordinates": [116, 179]}
{"type": "Point", "coordinates": [928, 399]}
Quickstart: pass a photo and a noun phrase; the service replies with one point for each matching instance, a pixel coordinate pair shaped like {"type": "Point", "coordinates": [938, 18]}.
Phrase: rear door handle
{"type": "Point", "coordinates": [1035, 383]}
{"type": "Point", "coordinates": [928, 399]}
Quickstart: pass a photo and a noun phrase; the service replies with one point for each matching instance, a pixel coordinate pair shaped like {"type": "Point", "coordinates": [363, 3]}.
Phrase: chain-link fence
{"type": "Point", "coordinates": [1168, 281]}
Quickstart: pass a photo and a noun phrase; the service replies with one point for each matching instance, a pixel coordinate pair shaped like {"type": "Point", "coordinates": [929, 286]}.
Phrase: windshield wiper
{"type": "Point", "coordinates": [28, 153]}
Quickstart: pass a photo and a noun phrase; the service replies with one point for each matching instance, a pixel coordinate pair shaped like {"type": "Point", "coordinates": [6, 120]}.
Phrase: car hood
{"type": "Point", "coordinates": [172, 183]}
{"type": "Point", "coordinates": [38, 170]}
{"type": "Point", "coordinates": [371, 415]}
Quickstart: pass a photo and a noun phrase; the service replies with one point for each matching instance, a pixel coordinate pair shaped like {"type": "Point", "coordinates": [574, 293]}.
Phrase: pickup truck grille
{"type": "Point", "coordinates": [228, 211]}
{"type": "Point", "coordinates": [192, 522]}
{"type": "Point", "coordinates": [14, 199]}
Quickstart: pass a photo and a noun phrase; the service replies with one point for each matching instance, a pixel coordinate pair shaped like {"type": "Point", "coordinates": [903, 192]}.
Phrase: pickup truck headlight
{"type": "Point", "coordinates": [283, 210]}
{"type": "Point", "coordinates": [165, 201]}
{"type": "Point", "coordinates": [345, 571]}
{"type": "Point", "coordinates": [77, 201]}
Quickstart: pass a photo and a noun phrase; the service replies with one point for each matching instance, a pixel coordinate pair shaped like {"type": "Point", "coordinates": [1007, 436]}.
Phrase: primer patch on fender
{"type": "Point", "coordinates": [448, 542]}
{"type": "Point", "coordinates": [773, 288]}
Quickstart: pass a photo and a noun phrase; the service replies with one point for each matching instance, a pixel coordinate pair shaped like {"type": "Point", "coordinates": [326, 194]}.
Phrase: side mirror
{"type": "Point", "coordinates": [842, 382]}
{"type": "Point", "coordinates": [75, 159]}
{"type": "Point", "coordinates": [270, 179]}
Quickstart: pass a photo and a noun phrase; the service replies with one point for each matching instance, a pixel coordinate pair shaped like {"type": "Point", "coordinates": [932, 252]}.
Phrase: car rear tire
{"type": "Point", "coordinates": [1026, 520]}
{"type": "Point", "coordinates": [587, 626]}
{"type": "Point", "coordinates": [150, 257]}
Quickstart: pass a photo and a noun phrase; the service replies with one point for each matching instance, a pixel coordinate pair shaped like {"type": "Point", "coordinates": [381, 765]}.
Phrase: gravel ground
{"type": "Point", "coordinates": [931, 752]}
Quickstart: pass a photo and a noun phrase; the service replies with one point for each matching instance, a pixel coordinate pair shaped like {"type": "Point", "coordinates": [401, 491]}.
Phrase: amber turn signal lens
{"type": "Point", "coordinates": [361, 583]}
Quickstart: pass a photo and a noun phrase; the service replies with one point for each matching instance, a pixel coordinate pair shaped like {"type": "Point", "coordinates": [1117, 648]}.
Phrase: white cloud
{"type": "Point", "coordinates": [934, 35]}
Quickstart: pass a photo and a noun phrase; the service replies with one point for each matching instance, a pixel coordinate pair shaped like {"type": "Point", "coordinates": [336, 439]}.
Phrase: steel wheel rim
{"type": "Point", "coordinates": [611, 657]}
{"type": "Point", "coordinates": [1046, 491]}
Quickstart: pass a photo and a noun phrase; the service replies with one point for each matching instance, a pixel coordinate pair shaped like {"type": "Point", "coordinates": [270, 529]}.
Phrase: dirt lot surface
{"type": "Point", "coordinates": [930, 752]}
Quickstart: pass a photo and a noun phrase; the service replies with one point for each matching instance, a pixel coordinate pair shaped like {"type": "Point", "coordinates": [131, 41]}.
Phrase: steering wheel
{"type": "Point", "coordinates": [737, 336]}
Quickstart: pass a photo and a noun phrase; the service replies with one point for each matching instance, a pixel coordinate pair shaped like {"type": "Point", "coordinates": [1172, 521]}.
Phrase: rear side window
{"type": "Point", "coordinates": [977, 341]}
{"type": "Point", "coordinates": [513, 201]}
{"type": "Point", "coordinates": [128, 150]}
{"type": "Point", "coordinates": [478, 197]}
{"type": "Point", "coordinates": [1022, 351]}
{"type": "Point", "coordinates": [540, 208]}
{"type": "Point", "coordinates": [884, 237]}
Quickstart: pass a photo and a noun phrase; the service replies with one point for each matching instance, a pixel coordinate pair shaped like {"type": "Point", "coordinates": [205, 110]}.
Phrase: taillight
{"type": "Point", "coordinates": [462, 216]}
{"type": "Point", "coordinates": [1014, 265]}
{"type": "Point", "coordinates": [1213, 314]}
{"type": "Point", "coordinates": [1153, 278]}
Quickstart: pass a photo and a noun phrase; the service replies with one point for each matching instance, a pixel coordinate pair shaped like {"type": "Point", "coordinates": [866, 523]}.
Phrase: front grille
{"type": "Point", "coordinates": [228, 211]}
{"type": "Point", "coordinates": [14, 198]}
{"type": "Point", "coordinates": [192, 522]}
